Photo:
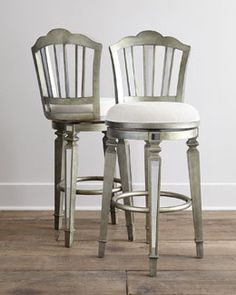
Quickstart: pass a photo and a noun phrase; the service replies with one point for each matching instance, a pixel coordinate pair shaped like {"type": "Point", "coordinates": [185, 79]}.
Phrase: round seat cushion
{"type": "Point", "coordinates": [153, 115]}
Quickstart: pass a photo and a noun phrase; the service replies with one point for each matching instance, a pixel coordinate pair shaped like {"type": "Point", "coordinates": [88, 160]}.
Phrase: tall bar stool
{"type": "Point", "coordinates": [68, 68]}
{"type": "Point", "coordinates": [149, 72]}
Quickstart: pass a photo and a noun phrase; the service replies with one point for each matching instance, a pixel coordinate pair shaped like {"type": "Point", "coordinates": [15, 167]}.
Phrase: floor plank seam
{"type": "Point", "coordinates": [69, 270]}
{"type": "Point", "coordinates": [127, 284]}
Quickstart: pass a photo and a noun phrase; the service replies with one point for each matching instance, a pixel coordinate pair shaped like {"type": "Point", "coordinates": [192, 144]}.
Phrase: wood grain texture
{"type": "Point", "coordinates": [183, 282]}
{"type": "Point", "coordinates": [33, 259]}
{"type": "Point", "coordinates": [63, 282]}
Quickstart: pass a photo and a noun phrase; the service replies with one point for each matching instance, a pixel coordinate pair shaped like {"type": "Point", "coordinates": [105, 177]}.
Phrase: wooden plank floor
{"type": "Point", "coordinates": [33, 259]}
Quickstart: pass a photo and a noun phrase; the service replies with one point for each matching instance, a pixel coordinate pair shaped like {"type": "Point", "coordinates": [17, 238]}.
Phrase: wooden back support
{"type": "Point", "coordinates": [149, 67]}
{"type": "Point", "coordinates": [68, 69]}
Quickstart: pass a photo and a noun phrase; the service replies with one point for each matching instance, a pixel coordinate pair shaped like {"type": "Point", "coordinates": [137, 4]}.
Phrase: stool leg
{"type": "Point", "coordinates": [195, 186]}
{"type": "Point", "coordinates": [71, 158]}
{"type": "Point", "coordinates": [123, 152]}
{"type": "Point", "coordinates": [154, 179]}
{"type": "Point", "coordinates": [112, 207]}
{"type": "Point", "coordinates": [146, 189]}
{"type": "Point", "coordinates": [109, 171]}
{"type": "Point", "coordinates": [58, 176]}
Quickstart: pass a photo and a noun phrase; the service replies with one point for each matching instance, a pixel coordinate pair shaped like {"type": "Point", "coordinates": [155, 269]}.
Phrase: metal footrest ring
{"type": "Point", "coordinates": [116, 188]}
{"type": "Point", "coordinates": [187, 200]}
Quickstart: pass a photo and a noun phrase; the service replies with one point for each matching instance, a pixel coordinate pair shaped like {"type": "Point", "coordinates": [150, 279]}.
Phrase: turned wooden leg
{"type": "Point", "coordinates": [195, 186]}
{"type": "Point", "coordinates": [71, 162]}
{"type": "Point", "coordinates": [123, 152]}
{"type": "Point", "coordinates": [154, 179]}
{"type": "Point", "coordinates": [109, 172]}
{"type": "Point", "coordinates": [112, 207]}
{"type": "Point", "coordinates": [58, 176]}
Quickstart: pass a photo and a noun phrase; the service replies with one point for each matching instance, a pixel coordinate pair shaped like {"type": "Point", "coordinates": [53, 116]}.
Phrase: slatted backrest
{"type": "Point", "coordinates": [68, 68]}
{"type": "Point", "coordinates": [149, 67]}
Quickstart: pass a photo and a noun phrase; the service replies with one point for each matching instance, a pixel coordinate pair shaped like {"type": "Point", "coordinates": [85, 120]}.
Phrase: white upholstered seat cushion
{"type": "Point", "coordinates": [154, 113]}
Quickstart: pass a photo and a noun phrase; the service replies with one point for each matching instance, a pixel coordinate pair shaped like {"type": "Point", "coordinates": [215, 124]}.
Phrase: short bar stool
{"type": "Point", "coordinates": [68, 69]}
{"type": "Point", "coordinates": [146, 114]}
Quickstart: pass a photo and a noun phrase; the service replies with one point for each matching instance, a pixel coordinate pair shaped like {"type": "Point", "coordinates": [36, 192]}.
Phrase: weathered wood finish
{"type": "Point", "coordinates": [123, 154]}
{"type": "Point", "coordinates": [58, 175]}
{"type": "Point", "coordinates": [112, 207]}
{"type": "Point", "coordinates": [71, 163]}
{"type": "Point", "coordinates": [153, 173]}
{"type": "Point", "coordinates": [32, 261]}
{"type": "Point", "coordinates": [109, 173]}
{"type": "Point", "coordinates": [194, 177]}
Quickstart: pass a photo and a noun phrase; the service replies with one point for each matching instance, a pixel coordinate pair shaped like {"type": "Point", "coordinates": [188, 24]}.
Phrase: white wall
{"type": "Point", "coordinates": [26, 157]}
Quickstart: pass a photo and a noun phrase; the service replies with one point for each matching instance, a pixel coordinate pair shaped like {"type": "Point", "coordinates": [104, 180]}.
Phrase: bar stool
{"type": "Point", "coordinates": [68, 67]}
{"type": "Point", "coordinates": [149, 72]}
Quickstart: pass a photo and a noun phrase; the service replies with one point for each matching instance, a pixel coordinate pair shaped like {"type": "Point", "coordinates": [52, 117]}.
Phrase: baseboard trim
{"type": "Point", "coordinates": [39, 196]}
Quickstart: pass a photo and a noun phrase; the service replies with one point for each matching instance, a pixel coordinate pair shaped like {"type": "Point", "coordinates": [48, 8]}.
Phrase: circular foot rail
{"type": "Point", "coordinates": [116, 188]}
{"type": "Point", "coordinates": [187, 200]}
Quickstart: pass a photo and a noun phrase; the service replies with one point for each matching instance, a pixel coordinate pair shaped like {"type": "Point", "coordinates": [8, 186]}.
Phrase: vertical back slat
{"type": "Point", "coordinates": [41, 79]}
{"type": "Point", "coordinates": [172, 54]}
{"type": "Point", "coordinates": [76, 70]}
{"type": "Point", "coordinates": [66, 71]}
{"type": "Point", "coordinates": [57, 71]}
{"type": "Point", "coordinates": [51, 69]}
{"type": "Point", "coordinates": [144, 72]}
{"type": "Point", "coordinates": [83, 72]}
{"type": "Point", "coordinates": [163, 88]}
{"type": "Point", "coordinates": [133, 69]}
{"type": "Point", "coordinates": [126, 71]}
{"type": "Point", "coordinates": [117, 74]}
{"type": "Point", "coordinates": [46, 71]}
{"type": "Point", "coordinates": [180, 85]}
{"type": "Point", "coordinates": [40, 73]}
{"type": "Point", "coordinates": [153, 69]}
{"type": "Point", "coordinates": [148, 69]}
{"type": "Point", "coordinates": [96, 79]}
{"type": "Point", "coordinates": [167, 68]}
